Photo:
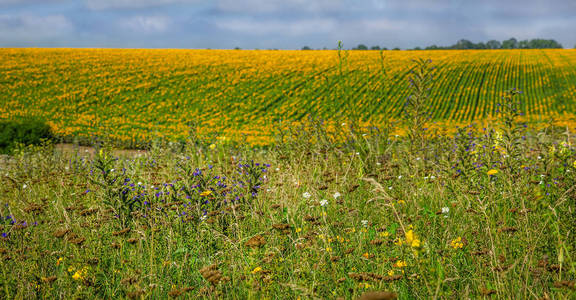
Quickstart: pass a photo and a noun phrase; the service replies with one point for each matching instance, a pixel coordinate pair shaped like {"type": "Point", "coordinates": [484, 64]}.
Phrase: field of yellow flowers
{"type": "Point", "coordinates": [137, 95]}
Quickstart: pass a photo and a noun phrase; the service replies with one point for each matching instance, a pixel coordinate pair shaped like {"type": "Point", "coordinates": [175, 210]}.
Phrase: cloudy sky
{"type": "Point", "coordinates": [282, 24]}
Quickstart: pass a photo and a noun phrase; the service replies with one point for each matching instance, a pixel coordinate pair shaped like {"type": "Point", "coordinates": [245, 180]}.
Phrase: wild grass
{"type": "Point", "coordinates": [309, 218]}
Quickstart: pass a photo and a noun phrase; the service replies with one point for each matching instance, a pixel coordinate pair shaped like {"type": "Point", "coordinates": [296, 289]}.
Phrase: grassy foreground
{"type": "Point", "coordinates": [489, 212]}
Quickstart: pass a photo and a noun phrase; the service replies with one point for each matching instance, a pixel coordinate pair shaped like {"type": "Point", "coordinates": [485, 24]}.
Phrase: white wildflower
{"type": "Point", "coordinates": [324, 202]}
{"type": "Point", "coordinates": [364, 223]}
{"type": "Point", "coordinates": [336, 195]}
{"type": "Point", "coordinates": [306, 195]}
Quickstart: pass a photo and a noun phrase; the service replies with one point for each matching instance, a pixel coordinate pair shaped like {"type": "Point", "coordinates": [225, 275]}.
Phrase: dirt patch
{"type": "Point", "coordinates": [69, 149]}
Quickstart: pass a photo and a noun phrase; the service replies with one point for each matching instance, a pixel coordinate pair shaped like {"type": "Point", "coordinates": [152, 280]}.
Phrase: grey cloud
{"type": "Point", "coordinates": [280, 6]}
{"type": "Point", "coordinates": [131, 4]}
{"type": "Point", "coordinates": [271, 26]}
{"type": "Point", "coordinates": [31, 28]}
{"type": "Point", "coordinates": [21, 2]}
{"type": "Point", "coordinates": [146, 24]}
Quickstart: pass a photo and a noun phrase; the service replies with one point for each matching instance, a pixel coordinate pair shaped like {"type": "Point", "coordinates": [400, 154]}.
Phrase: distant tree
{"type": "Point", "coordinates": [396, 48]}
{"type": "Point", "coordinates": [511, 43]}
{"type": "Point", "coordinates": [525, 44]}
{"type": "Point", "coordinates": [417, 48]}
{"type": "Point", "coordinates": [433, 47]}
{"type": "Point", "coordinates": [360, 47]}
{"type": "Point", "coordinates": [306, 48]}
{"type": "Point", "coordinates": [493, 44]}
{"type": "Point", "coordinates": [544, 44]}
{"type": "Point", "coordinates": [384, 48]}
{"type": "Point", "coordinates": [481, 46]}
{"type": "Point", "coordinates": [237, 48]}
{"type": "Point", "coordinates": [464, 44]}
{"type": "Point", "coordinates": [375, 48]}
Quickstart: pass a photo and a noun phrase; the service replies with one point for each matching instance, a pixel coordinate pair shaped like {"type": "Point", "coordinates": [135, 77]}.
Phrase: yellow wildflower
{"type": "Point", "coordinates": [256, 270]}
{"type": "Point", "coordinates": [213, 146]}
{"type": "Point", "coordinates": [411, 239]}
{"type": "Point", "coordinates": [400, 264]}
{"type": "Point", "coordinates": [80, 274]}
{"type": "Point", "coordinates": [77, 276]}
{"type": "Point", "coordinates": [206, 193]}
{"type": "Point", "coordinates": [457, 243]}
{"type": "Point", "coordinates": [492, 172]}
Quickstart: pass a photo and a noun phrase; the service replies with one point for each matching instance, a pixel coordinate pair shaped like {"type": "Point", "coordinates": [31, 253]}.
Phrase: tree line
{"type": "Point", "coordinates": [511, 43]}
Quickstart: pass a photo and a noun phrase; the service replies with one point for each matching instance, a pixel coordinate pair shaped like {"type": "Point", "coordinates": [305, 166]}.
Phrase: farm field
{"type": "Point", "coordinates": [134, 96]}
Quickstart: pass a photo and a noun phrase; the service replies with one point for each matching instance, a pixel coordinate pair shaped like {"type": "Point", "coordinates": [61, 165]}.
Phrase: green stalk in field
{"type": "Point", "coordinates": [416, 110]}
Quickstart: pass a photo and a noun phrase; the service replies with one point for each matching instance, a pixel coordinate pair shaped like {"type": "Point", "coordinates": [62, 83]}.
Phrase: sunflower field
{"type": "Point", "coordinates": [137, 95]}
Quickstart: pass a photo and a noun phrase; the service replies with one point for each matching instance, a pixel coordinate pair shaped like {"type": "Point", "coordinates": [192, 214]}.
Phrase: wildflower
{"type": "Point", "coordinates": [410, 239]}
{"type": "Point", "coordinates": [206, 193]}
{"type": "Point", "coordinates": [391, 273]}
{"type": "Point", "coordinates": [60, 259]}
{"type": "Point", "coordinates": [445, 211]}
{"type": "Point", "coordinates": [336, 195]}
{"type": "Point", "coordinates": [213, 146]}
{"type": "Point", "coordinates": [80, 274]}
{"type": "Point", "coordinates": [24, 186]}
{"type": "Point", "coordinates": [306, 195]}
{"type": "Point", "coordinates": [328, 249]}
{"type": "Point", "coordinates": [364, 223]}
{"type": "Point", "coordinates": [324, 202]}
{"type": "Point", "coordinates": [492, 172]}
{"type": "Point", "coordinates": [77, 276]}
{"type": "Point", "coordinates": [457, 243]}
{"type": "Point", "coordinates": [256, 270]}
{"type": "Point", "coordinates": [401, 202]}
{"type": "Point", "coordinates": [400, 264]}
{"type": "Point", "coordinates": [298, 229]}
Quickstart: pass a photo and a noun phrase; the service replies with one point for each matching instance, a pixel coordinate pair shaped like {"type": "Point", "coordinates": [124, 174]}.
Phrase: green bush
{"type": "Point", "coordinates": [25, 131]}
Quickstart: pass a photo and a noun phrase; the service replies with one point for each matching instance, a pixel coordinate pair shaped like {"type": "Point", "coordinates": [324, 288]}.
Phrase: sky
{"type": "Point", "coordinates": [280, 24]}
